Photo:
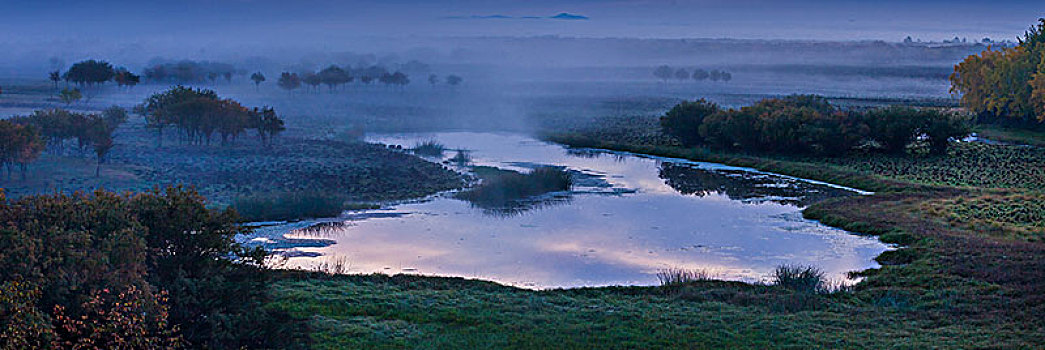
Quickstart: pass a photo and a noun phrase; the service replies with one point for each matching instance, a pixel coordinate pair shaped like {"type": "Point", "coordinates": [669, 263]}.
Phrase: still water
{"type": "Point", "coordinates": [627, 217]}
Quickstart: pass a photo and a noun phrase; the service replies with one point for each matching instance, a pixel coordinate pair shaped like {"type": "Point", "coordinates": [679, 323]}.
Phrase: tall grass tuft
{"type": "Point", "coordinates": [679, 276]}
{"type": "Point", "coordinates": [504, 186]}
{"type": "Point", "coordinates": [805, 279]}
{"type": "Point", "coordinates": [288, 206]}
{"type": "Point", "coordinates": [429, 148]}
{"type": "Point", "coordinates": [462, 158]}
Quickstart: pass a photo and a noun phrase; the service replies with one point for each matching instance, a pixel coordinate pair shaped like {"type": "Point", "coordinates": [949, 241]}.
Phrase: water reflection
{"type": "Point", "coordinates": [744, 186]}
{"type": "Point", "coordinates": [625, 218]}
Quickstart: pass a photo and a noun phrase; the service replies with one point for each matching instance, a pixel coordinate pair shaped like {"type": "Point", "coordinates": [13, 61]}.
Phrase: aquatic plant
{"type": "Point", "coordinates": [288, 206]}
{"type": "Point", "coordinates": [429, 148]}
{"type": "Point", "coordinates": [501, 186]}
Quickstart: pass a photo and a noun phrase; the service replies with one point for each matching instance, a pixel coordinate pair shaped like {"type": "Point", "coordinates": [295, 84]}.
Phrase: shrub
{"type": "Point", "coordinates": [941, 127]}
{"type": "Point", "coordinates": [683, 121]}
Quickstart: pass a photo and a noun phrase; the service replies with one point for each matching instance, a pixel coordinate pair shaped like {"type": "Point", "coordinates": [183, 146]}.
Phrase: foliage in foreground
{"type": "Point", "coordinates": [150, 270]}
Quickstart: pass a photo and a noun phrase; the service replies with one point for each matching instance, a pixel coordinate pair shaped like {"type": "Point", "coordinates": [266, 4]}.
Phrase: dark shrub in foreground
{"type": "Point", "coordinates": [156, 269]}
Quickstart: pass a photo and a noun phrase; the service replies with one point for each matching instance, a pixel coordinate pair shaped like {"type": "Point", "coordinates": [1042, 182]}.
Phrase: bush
{"type": "Point", "coordinates": [894, 127]}
{"type": "Point", "coordinates": [940, 128]}
{"type": "Point", "coordinates": [95, 265]}
{"type": "Point", "coordinates": [683, 121]}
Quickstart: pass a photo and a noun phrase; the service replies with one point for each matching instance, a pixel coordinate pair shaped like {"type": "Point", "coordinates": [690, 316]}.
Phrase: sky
{"type": "Point", "coordinates": [328, 21]}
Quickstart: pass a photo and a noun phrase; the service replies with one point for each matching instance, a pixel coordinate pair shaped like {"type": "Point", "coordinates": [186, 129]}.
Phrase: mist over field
{"type": "Point", "coordinates": [254, 174]}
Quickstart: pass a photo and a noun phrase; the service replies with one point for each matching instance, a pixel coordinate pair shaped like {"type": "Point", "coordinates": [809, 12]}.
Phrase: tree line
{"type": "Point", "coordinates": [188, 71]}
{"type": "Point", "coordinates": [334, 77]}
{"type": "Point", "coordinates": [809, 124]}
{"type": "Point", "coordinates": [154, 270]}
{"type": "Point", "coordinates": [1006, 85]}
{"type": "Point", "coordinates": [197, 114]}
{"type": "Point", "coordinates": [666, 73]}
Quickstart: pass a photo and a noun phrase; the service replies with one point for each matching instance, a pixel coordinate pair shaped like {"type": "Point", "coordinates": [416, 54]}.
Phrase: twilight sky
{"type": "Point", "coordinates": [329, 21]}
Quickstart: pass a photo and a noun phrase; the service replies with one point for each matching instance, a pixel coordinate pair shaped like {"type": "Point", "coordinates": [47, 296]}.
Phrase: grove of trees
{"type": "Point", "coordinates": [808, 124]}
{"type": "Point", "coordinates": [58, 131]}
{"type": "Point", "coordinates": [1006, 85]}
{"type": "Point", "coordinates": [199, 113]}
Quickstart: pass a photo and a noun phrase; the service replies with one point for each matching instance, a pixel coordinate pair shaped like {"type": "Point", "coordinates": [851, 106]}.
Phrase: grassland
{"type": "Point", "coordinates": [970, 272]}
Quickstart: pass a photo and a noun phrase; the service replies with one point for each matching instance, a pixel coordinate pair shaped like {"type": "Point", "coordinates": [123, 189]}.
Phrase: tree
{"type": "Point", "coordinates": [683, 121]}
{"type": "Point", "coordinates": [100, 136]}
{"type": "Point", "coordinates": [433, 79]}
{"type": "Point", "coordinates": [289, 81]}
{"type": "Point", "coordinates": [726, 76]}
{"type": "Point", "coordinates": [90, 72]}
{"type": "Point", "coordinates": [664, 73]}
{"type": "Point", "coordinates": [69, 96]}
{"type": "Point", "coordinates": [124, 77]}
{"type": "Point", "coordinates": [114, 116]}
{"type": "Point", "coordinates": [19, 145]}
{"type": "Point", "coordinates": [453, 80]}
{"type": "Point", "coordinates": [311, 79]}
{"type": "Point", "coordinates": [333, 76]}
{"type": "Point", "coordinates": [700, 74]}
{"type": "Point", "coordinates": [715, 75]}
{"type": "Point", "coordinates": [681, 74]}
{"type": "Point", "coordinates": [1006, 85]}
{"type": "Point", "coordinates": [257, 78]}
{"type": "Point", "coordinates": [55, 77]}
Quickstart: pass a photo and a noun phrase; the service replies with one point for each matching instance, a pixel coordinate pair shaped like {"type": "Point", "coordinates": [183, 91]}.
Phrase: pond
{"type": "Point", "coordinates": [626, 218]}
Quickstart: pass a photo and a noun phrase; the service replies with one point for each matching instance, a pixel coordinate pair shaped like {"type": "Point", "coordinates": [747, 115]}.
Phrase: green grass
{"type": "Point", "coordinates": [405, 312]}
